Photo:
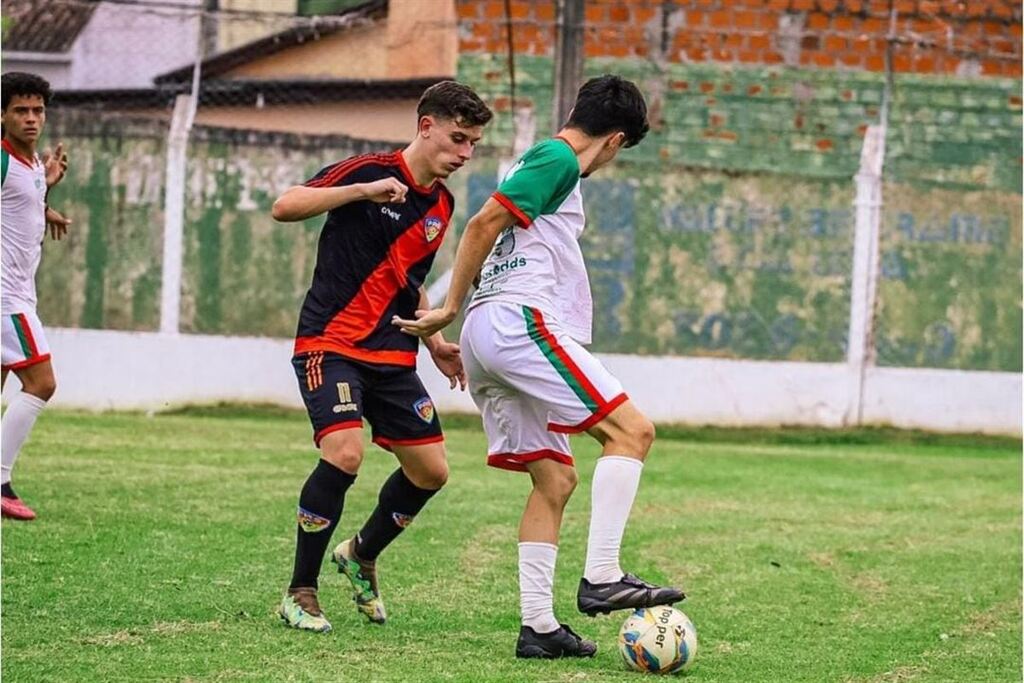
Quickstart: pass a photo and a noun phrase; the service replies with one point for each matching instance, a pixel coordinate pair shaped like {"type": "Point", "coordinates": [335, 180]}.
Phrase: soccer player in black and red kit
{"type": "Point", "coordinates": [386, 217]}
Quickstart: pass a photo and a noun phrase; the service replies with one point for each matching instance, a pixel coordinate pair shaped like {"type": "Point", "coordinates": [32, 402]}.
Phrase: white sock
{"type": "Point", "coordinates": [536, 577]}
{"type": "Point", "coordinates": [616, 479]}
{"type": "Point", "coordinates": [17, 423]}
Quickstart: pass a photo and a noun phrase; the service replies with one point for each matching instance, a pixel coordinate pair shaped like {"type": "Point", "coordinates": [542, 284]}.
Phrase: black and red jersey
{"type": "Point", "coordinates": [371, 261]}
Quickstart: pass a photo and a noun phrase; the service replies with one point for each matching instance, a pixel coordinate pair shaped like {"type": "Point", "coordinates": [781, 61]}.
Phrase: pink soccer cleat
{"type": "Point", "coordinates": [15, 508]}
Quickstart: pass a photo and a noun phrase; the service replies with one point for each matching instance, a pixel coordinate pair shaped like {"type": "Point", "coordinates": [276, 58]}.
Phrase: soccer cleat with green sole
{"type": "Point", "coordinates": [363, 577]}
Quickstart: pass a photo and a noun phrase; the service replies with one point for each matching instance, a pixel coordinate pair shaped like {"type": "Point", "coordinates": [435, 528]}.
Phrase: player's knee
{"type": "Point", "coordinates": [558, 487]}
{"type": "Point", "coordinates": [41, 388]}
{"type": "Point", "coordinates": [643, 433]}
{"type": "Point", "coordinates": [345, 459]}
{"type": "Point", "coordinates": [433, 478]}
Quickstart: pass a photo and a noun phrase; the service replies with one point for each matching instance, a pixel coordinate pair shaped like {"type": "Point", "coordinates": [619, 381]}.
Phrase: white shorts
{"type": "Point", "coordinates": [533, 384]}
{"type": "Point", "coordinates": [24, 342]}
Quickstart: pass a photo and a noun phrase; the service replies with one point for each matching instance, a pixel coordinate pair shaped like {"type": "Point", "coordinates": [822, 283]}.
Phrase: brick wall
{"type": "Point", "coordinates": [967, 38]}
{"type": "Point", "coordinates": [728, 232]}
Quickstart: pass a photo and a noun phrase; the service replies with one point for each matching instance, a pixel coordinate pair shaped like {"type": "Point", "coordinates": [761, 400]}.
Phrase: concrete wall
{"type": "Point", "coordinates": [104, 370]}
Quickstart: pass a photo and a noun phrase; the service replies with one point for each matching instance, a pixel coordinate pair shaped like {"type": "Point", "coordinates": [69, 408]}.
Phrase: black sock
{"type": "Point", "coordinates": [397, 505]}
{"type": "Point", "coordinates": [7, 491]}
{"type": "Point", "coordinates": [320, 505]}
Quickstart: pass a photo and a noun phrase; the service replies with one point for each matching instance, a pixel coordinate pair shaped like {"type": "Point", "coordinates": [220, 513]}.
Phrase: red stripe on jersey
{"type": "Point", "coordinates": [9, 148]}
{"type": "Point", "coordinates": [26, 330]}
{"type": "Point", "coordinates": [521, 217]}
{"type": "Point", "coordinates": [378, 356]}
{"type": "Point", "coordinates": [563, 355]}
{"type": "Point", "coordinates": [343, 168]}
{"type": "Point", "coordinates": [360, 316]}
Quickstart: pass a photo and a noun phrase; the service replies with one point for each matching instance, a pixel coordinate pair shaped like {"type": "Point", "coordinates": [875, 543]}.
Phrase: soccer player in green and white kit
{"type": "Point", "coordinates": [531, 377]}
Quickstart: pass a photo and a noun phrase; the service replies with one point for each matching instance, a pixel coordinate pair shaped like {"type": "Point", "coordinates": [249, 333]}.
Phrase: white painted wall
{"type": "Point", "coordinates": [105, 370]}
{"type": "Point", "coordinates": [127, 45]}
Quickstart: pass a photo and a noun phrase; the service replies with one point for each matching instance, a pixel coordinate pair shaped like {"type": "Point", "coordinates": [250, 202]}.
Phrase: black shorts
{"type": "Point", "coordinates": [340, 392]}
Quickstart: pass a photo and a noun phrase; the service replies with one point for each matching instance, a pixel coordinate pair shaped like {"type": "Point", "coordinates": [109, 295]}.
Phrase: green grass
{"type": "Point", "coordinates": [164, 544]}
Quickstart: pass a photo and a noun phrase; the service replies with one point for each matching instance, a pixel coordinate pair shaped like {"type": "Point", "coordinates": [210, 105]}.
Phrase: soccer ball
{"type": "Point", "coordinates": [658, 640]}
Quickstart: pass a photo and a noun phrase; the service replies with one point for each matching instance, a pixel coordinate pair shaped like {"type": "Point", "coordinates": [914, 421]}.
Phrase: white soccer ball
{"type": "Point", "coordinates": [658, 640]}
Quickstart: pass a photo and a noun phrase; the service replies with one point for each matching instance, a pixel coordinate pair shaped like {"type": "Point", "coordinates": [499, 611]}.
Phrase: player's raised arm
{"type": "Point", "coordinates": [302, 201]}
{"type": "Point", "coordinates": [477, 241]}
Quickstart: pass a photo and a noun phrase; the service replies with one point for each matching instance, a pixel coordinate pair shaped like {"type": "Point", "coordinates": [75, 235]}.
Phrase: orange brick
{"type": "Point", "coordinates": [545, 11]}
{"type": "Point", "coordinates": [835, 44]}
{"type": "Point", "coordinates": [854, 5]}
{"type": "Point", "coordinates": [924, 64]}
{"type": "Point", "coordinates": [824, 145]}
{"type": "Point", "coordinates": [842, 22]}
{"type": "Point", "coordinates": [595, 14]}
{"type": "Point", "coordinates": [828, 5]}
{"type": "Point", "coordinates": [734, 40]}
{"type": "Point", "coordinates": [754, 90]}
{"type": "Point", "coordinates": [494, 9]}
{"type": "Point", "coordinates": [874, 63]}
{"type": "Point", "coordinates": [707, 87]}
{"type": "Point", "coordinates": [745, 19]}
{"type": "Point", "coordinates": [771, 58]}
{"type": "Point", "coordinates": [803, 5]}
{"type": "Point", "coordinates": [720, 19]}
{"type": "Point", "coordinates": [817, 21]}
{"type": "Point", "coordinates": [758, 42]}
{"type": "Point", "coordinates": [824, 59]}
{"type": "Point", "coordinates": [902, 63]}
{"type": "Point", "coordinates": [468, 9]}
{"type": "Point", "coordinates": [852, 59]}
{"type": "Point", "coordinates": [641, 15]}
{"type": "Point", "coordinates": [520, 9]}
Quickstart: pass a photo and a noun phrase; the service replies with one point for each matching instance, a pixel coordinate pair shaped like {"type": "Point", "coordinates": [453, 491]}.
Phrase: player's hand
{"type": "Point", "coordinates": [448, 360]}
{"type": "Point", "coordinates": [427, 323]}
{"type": "Point", "coordinates": [385, 191]}
{"type": "Point", "coordinates": [57, 223]}
{"type": "Point", "coordinates": [56, 165]}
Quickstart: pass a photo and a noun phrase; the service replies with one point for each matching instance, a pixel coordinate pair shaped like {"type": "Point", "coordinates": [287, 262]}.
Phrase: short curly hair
{"type": "Point", "coordinates": [15, 83]}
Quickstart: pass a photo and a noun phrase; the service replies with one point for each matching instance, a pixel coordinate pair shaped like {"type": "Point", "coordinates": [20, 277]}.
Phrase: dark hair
{"type": "Point", "coordinates": [455, 101]}
{"type": "Point", "coordinates": [15, 83]}
{"type": "Point", "coordinates": [609, 104]}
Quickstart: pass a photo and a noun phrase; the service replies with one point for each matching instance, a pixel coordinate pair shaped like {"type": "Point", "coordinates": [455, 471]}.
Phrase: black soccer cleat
{"type": "Point", "coordinates": [629, 592]}
{"type": "Point", "coordinates": [561, 643]}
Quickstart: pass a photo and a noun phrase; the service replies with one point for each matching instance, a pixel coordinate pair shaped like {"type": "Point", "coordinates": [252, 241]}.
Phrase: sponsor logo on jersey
{"type": "Point", "coordinates": [425, 409]}
{"type": "Point", "coordinates": [402, 520]}
{"type": "Point", "coordinates": [344, 404]}
{"type": "Point", "coordinates": [312, 523]}
{"type": "Point", "coordinates": [432, 228]}
{"type": "Point", "coordinates": [390, 213]}
{"type": "Point", "coordinates": [506, 244]}
{"type": "Point", "coordinates": [505, 267]}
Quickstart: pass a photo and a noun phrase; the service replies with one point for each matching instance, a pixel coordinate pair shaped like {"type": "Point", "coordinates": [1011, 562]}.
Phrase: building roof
{"type": "Point", "coordinates": [44, 26]}
{"type": "Point", "coordinates": [226, 93]}
{"type": "Point", "coordinates": [315, 29]}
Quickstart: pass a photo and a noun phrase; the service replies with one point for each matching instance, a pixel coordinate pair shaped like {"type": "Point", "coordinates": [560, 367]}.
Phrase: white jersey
{"type": "Point", "coordinates": [23, 222]}
{"type": "Point", "coordinates": [538, 262]}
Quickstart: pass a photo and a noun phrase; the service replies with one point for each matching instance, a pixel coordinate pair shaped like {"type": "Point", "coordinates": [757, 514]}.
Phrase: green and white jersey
{"type": "Point", "coordinates": [537, 262]}
{"type": "Point", "coordinates": [23, 224]}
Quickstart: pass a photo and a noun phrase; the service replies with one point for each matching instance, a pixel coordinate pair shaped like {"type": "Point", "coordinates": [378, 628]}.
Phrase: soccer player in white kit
{"type": "Point", "coordinates": [531, 377]}
{"type": "Point", "coordinates": [25, 181]}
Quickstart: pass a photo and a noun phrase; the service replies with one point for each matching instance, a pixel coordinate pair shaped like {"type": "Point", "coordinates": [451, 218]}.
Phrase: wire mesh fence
{"type": "Point", "coordinates": [728, 232]}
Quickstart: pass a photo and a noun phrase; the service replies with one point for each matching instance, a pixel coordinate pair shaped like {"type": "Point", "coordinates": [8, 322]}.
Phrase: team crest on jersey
{"type": "Point", "coordinates": [425, 409]}
{"type": "Point", "coordinates": [401, 520]}
{"type": "Point", "coordinates": [432, 228]}
{"type": "Point", "coordinates": [312, 523]}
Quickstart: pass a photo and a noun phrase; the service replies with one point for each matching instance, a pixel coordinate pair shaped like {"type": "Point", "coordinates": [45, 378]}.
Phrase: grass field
{"type": "Point", "coordinates": [164, 544]}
